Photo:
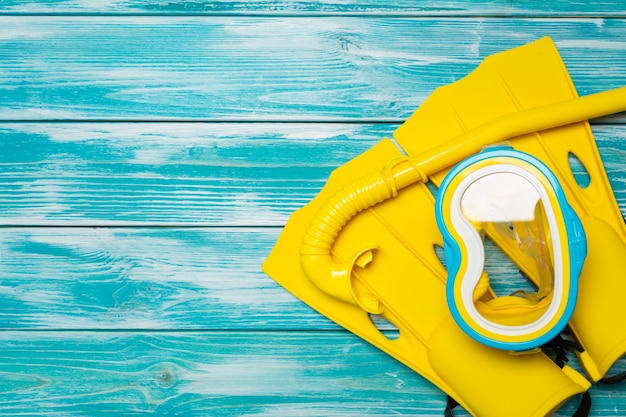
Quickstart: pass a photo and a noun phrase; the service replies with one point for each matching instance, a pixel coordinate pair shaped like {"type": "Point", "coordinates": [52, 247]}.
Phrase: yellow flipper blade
{"type": "Point", "coordinates": [525, 78]}
{"type": "Point", "coordinates": [401, 278]}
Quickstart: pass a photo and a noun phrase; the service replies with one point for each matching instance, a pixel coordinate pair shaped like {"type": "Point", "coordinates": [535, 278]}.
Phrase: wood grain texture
{"type": "Point", "coordinates": [130, 278]}
{"type": "Point", "coordinates": [203, 68]}
{"type": "Point", "coordinates": [220, 374]}
{"type": "Point", "coordinates": [169, 174]}
{"type": "Point", "coordinates": [209, 374]}
{"type": "Point", "coordinates": [324, 7]}
{"type": "Point", "coordinates": [162, 308]}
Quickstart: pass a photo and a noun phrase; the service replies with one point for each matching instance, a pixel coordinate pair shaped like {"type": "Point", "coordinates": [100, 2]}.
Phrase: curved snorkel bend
{"type": "Point", "coordinates": [334, 278]}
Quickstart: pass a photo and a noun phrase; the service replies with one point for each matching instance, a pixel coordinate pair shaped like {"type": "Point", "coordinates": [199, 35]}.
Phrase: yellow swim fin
{"type": "Point", "coordinates": [524, 78]}
{"type": "Point", "coordinates": [366, 244]}
{"type": "Point", "coordinates": [406, 285]}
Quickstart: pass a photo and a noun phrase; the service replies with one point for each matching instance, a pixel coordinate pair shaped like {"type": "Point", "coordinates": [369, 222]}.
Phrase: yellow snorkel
{"type": "Point", "coordinates": [378, 186]}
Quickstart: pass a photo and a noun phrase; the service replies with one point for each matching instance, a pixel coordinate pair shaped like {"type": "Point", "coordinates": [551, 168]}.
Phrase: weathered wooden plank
{"type": "Point", "coordinates": [83, 278]}
{"type": "Point", "coordinates": [209, 68]}
{"type": "Point", "coordinates": [220, 174]}
{"type": "Point", "coordinates": [220, 374]}
{"type": "Point", "coordinates": [216, 374]}
{"type": "Point", "coordinates": [156, 278]}
{"type": "Point", "coordinates": [172, 173]}
{"type": "Point", "coordinates": [325, 7]}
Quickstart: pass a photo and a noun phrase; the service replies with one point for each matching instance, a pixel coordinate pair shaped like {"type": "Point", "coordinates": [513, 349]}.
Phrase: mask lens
{"type": "Point", "coordinates": [533, 240]}
{"type": "Point", "coordinates": [508, 204]}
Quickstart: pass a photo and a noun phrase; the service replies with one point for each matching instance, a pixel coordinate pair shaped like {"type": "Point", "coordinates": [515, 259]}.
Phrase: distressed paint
{"type": "Point", "coordinates": [204, 373]}
{"type": "Point", "coordinates": [203, 174]}
{"type": "Point", "coordinates": [263, 68]}
{"type": "Point", "coordinates": [324, 7]}
{"type": "Point", "coordinates": [162, 308]}
{"type": "Point", "coordinates": [131, 278]}
{"type": "Point", "coordinates": [217, 374]}
{"type": "Point", "coordinates": [173, 173]}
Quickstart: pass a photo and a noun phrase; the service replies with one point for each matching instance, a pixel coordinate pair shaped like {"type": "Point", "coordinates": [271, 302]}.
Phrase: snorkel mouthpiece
{"type": "Point", "coordinates": [512, 193]}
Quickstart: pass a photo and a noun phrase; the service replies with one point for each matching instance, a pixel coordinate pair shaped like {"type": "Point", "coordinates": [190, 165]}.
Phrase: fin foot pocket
{"type": "Point", "coordinates": [582, 411]}
{"type": "Point", "coordinates": [470, 369]}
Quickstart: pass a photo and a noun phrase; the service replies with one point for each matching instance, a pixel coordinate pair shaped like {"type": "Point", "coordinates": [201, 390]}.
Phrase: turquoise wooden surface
{"type": "Point", "coordinates": [150, 153]}
{"type": "Point", "coordinates": [321, 7]}
{"type": "Point", "coordinates": [228, 68]}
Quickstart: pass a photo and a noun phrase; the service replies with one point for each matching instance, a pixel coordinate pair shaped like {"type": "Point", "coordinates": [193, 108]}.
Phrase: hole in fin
{"type": "Point", "coordinates": [580, 173]}
{"type": "Point", "coordinates": [385, 327]}
{"type": "Point", "coordinates": [432, 187]}
{"type": "Point", "coordinates": [440, 254]}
